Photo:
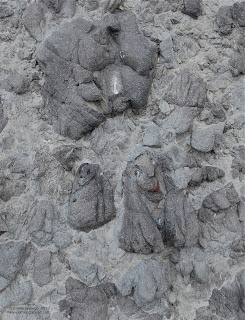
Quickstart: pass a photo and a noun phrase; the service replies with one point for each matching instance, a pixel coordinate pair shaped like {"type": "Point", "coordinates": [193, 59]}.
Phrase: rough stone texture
{"type": "Point", "coordinates": [42, 217]}
{"type": "Point", "coordinates": [152, 92]}
{"type": "Point", "coordinates": [186, 90]}
{"type": "Point", "coordinates": [91, 203]}
{"type": "Point", "coordinates": [13, 175]}
{"type": "Point", "coordinates": [66, 155]}
{"type": "Point", "coordinates": [221, 199]}
{"type": "Point", "coordinates": [129, 309]}
{"type": "Point", "coordinates": [192, 8]}
{"type": "Point", "coordinates": [120, 76]}
{"type": "Point", "coordinates": [228, 18]}
{"type": "Point", "coordinates": [238, 13]}
{"type": "Point", "coordinates": [224, 20]}
{"type": "Point", "coordinates": [228, 302]}
{"type": "Point", "coordinates": [207, 173]}
{"type": "Point", "coordinates": [3, 119]}
{"type": "Point", "coordinates": [238, 162]}
{"type": "Point", "coordinates": [201, 272]}
{"type": "Point", "coordinates": [88, 303]}
{"type": "Point", "coordinates": [16, 294]}
{"type": "Point", "coordinates": [13, 255]}
{"type": "Point", "coordinates": [42, 266]}
{"type": "Point", "coordinates": [17, 83]}
{"type": "Point", "coordinates": [205, 139]}
{"type": "Point", "coordinates": [5, 11]}
{"type": "Point", "coordinates": [148, 281]}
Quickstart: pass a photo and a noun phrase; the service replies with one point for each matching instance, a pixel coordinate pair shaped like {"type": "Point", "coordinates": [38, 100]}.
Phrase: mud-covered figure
{"type": "Point", "coordinates": [154, 210]}
{"type": "Point", "coordinates": [95, 70]}
{"type": "Point", "coordinates": [91, 204]}
{"type": "Point", "coordinates": [143, 190]}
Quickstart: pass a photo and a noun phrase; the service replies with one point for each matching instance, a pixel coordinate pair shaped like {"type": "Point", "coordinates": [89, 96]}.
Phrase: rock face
{"type": "Point", "coordinates": [91, 72]}
{"type": "Point", "coordinates": [238, 162]}
{"type": "Point", "coordinates": [122, 159]}
{"type": "Point", "coordinates": [207, 173]}
{"type": "Point", "coordinates": [91, 204]}
{"type": "Point", "coordinates": [87, 272]}
{"type": "Point", "coordinates": [186, 90]}
{"type": "Point", "coordinates": [13, 256]}
{"type": "Point", "coordinates": [66, 155]}
{"type": "Point", "coordinates": [16, 294]}
{"type": "Point", "coordinates": [41, 222]}
{"type": "Point", "coordinates": [205, 139]}
{"type": "Point", "coordinates": [3, 119]}
{"type": "Point", "coordinates": [228, 18]}
{"type": "Point", "coordinates": [148, 281]}
{"type": "Point", "coordinates": [16, 82]}
{"type": "Point", "coordinates": [227, 302]}
{"type": "Point", "coordinates": [192, 8]}
{"type": "Point", "coordinates": [14, 172]}
{"type": "Point", "coordinates": [85, 302]}
{"type": "Point", "coordinates": [217, 201]}
{"type": "Point", "coordinates": [224, 20]}
{"type": "Point", "coordinates": [42, 267]}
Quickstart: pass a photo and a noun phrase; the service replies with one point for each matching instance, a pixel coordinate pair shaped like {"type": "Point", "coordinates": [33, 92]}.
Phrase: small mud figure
{"type": "Point", "coordinates": [143, 190]}
{"type": "Point", "coordinates": [91, 203]}
{"type": "Point", "coordinates": [95, 70]}
{"type": "Point", "coordinates": [154, 210]}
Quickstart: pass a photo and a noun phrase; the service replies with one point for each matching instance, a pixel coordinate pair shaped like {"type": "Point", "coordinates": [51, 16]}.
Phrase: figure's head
{"type": "Point", "coordinates": [144, 169]}
{"type": "Point", "coordinates": [86, 172]}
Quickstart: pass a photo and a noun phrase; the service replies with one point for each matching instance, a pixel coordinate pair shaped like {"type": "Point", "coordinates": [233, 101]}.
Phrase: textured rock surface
{"type": "Point", "coordinates": [122, 163]}
{"type": "Point", "coordinates": [3, 119]}
{"type": "Point", "coordinates": [86, 302]}
{"type": "Point", "coordinates": [42, 267]}
{"type": "Point", "coordinates": [13, 255]}
{"type": "Point", "coordinates": [148, 281]}
{"type": "Point", "coordinates": [228, 302]}
{"type": "Point", "coordinates": [107, 64]}
{"type": "Point", "coordinates": [91, 202]}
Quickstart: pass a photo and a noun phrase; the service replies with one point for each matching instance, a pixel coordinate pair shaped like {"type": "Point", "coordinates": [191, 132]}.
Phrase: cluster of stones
{"type": "Point", "coordinates": [95, 70]}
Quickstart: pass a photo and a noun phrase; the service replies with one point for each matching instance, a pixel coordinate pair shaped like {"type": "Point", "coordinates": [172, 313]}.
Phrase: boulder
{"type": "Point", "coordinates": [192, 8]}
{"type": "Point", "coordinates": [91, 203]}
{"type": "Point", "coordinates": [87, 303]}
{"type": "Point", "coordinates": [148, 282]}
{"type": "Point", "coordinates": [42, 268]}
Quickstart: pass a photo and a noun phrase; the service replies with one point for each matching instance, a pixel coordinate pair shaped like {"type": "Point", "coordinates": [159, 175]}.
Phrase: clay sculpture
{"type": "Point", "coordinates": [154, 210]}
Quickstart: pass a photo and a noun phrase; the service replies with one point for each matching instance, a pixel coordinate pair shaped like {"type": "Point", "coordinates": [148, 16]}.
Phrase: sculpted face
{"type": "Point", "coordinates": [86, 173]}
{"type": "Point", "coordinates": [95, 70]}
{"type": "Point", "coordinates": [144, 168]}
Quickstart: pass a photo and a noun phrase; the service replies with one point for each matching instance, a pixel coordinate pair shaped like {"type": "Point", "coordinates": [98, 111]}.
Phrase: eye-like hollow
{"type": "Point", "coordinates": [160, 223]}
{"type": "Point", "coordinates": [122, 54]}
{"type": "Point", "coordinates": [137, 173]}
